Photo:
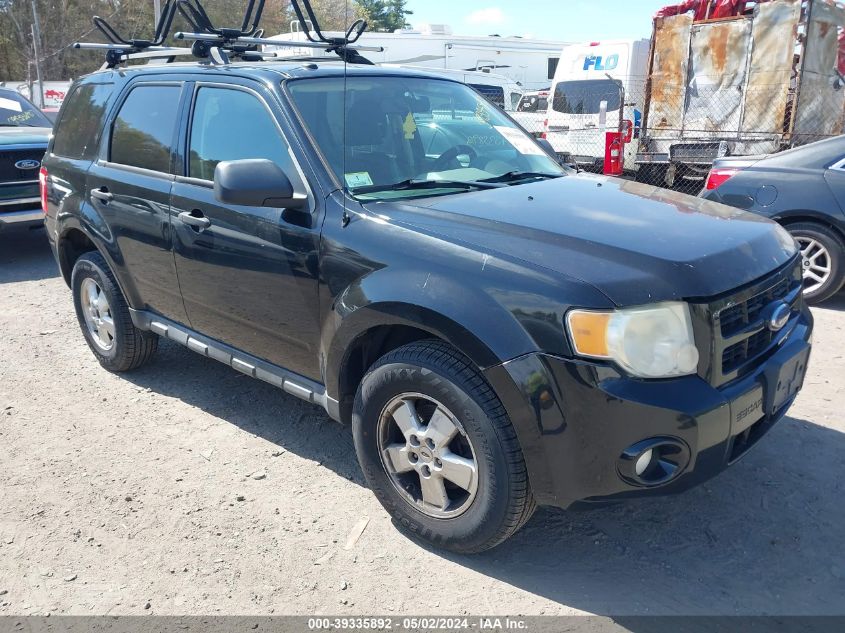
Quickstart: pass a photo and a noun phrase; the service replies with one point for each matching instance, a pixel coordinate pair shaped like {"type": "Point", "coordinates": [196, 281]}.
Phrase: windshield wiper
{"type": "Point", "coordinates": [412, 184]}
{"type": "Point", "coordinates": [515, 176]}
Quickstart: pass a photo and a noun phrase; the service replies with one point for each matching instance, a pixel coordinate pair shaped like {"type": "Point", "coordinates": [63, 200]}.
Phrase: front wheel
{"type": "Point", "coordinates": [823, 260]}
{"type": "Point", "coordinates": [438, 449]}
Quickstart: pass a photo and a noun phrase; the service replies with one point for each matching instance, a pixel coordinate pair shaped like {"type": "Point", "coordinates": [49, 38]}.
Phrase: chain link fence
{"type": "Point", "coordinates": [674, 134]}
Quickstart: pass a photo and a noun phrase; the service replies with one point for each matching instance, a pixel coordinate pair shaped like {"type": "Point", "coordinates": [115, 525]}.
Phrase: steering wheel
{"type": "Point", "coordinates": [450, 156]}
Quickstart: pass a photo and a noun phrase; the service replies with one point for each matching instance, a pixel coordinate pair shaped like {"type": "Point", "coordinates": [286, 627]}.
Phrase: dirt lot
{"type": "Point", "coordinates": [185, 488]}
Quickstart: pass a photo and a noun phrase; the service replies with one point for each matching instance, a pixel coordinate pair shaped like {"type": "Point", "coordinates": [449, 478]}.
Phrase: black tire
{"type": "Point", "coordinates": [833, 244]}
{"type": "Point", "coordinates": [130, 347]}
{"type": "Point", "coordinates": [503, 502]}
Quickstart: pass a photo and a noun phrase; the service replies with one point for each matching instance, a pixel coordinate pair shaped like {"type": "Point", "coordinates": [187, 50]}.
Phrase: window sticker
{"type": "Point", "coordinates": [521, 143]}
{"type": "Point", "coordinates": [10, 104]}
{"type": "Point", "coordinates": [409, 127]}
{"type": "Point", "coordinates": [358, 179]}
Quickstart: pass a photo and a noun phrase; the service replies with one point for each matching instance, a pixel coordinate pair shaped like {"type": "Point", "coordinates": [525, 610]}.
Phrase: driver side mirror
{"type": "Point", "coordinates": [255, 182]}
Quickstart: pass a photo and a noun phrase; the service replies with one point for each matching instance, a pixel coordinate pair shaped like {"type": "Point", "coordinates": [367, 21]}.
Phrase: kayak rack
{"type": "Point", "coordinates": [220, 45]}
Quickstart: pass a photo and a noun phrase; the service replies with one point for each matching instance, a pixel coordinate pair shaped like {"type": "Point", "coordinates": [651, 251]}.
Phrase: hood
{"type": "Point", "coordinates": [636, 243]}
{"type": "Point", "coordinates": [24, 135]}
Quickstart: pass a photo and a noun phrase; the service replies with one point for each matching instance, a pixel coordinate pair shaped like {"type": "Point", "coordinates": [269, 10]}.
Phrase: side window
{"type": "Point", "coordinates": [78, 129]}
{"type": "Point", "coordinates": [232, 125]}
{"type": "Point", "coordinates": [142, 134]}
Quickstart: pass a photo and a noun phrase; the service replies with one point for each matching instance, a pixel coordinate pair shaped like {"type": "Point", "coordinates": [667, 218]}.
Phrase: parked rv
{"type": "Point", "coordinates": [598, 86]}
{"type": "Point", "coordinates": [754, 83]}
{"type": "Point", "coordinates": [526, 61]}
{"type": "Point", "coordinates": [498, 89]}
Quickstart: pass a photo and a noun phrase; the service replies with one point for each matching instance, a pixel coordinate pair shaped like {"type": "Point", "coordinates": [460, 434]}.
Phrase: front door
{"type": "Point", "coordinates": [129, 186]}
{"type": "Point", "coordinates": [248, 274]}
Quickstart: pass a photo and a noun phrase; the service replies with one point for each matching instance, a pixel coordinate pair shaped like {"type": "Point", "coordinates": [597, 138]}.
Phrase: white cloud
{"type": "Point", "coordinates": [486, 17]}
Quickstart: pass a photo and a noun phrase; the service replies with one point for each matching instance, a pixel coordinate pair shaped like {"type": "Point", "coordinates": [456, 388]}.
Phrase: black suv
{"type": "Point", "coordinates": [500, 332]}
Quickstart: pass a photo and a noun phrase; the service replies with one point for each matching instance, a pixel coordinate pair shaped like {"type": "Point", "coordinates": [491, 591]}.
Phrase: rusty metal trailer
{"type": "Point", "coordinates": [750, 84]}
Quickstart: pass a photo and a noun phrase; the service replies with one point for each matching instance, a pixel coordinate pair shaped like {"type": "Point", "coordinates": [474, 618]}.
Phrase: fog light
{"type": "Point", "coordinates": [653, 461]}
{"type": "Point", "coordinates": [643, 461]}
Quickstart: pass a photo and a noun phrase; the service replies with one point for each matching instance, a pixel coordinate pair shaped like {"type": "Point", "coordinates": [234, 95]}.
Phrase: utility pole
{"type": "Point", "coordinates": [36, 47]}
{"type": "Point", "coordinates": [156, 13]}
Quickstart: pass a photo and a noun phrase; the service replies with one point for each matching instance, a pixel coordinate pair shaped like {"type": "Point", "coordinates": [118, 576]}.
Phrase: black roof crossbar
{"type": "Point", "coordinates": [339, 45]}
{"type": "Point", "coordinates": [165, 21]}
{"type": "Point", "coordinates": [219, 44]}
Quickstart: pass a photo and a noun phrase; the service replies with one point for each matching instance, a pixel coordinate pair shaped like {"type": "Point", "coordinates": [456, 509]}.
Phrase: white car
{"type": "Point", "coordinates": [532, 111]}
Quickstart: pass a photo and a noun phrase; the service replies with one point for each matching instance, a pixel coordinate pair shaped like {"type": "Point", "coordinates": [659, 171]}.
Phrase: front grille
{"type": "Point", "coordinates": [741, 315]}
{"type": "Point", "coordinates": [738, 353]}
{"type": "Point", "coordinates": [741, 337]}
{"type": "Point", "coordinates": [8, 158]}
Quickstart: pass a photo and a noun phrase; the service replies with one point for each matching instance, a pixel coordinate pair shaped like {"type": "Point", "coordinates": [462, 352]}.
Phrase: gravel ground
{"type": "Point", "coordinates": [186, 488]}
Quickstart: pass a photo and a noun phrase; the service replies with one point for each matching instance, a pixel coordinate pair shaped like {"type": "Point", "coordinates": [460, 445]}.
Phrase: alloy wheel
{"type": "Point", "coordinates": [816, 263]}
{"type": "Point", "coordinates": [97, 312]}
{"type": "Point", "coordinates": [428, 455]}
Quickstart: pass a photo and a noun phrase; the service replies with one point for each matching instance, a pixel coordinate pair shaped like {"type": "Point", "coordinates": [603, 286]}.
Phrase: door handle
{"type": "Point", "coordinates": [195, 218]}
{"type": "Point", "coordinates": [102, 194]}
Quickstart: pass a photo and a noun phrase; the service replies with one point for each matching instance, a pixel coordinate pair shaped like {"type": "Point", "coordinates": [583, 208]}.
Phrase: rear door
{"type": "Point", "coordinates": [129, 187]}
{"type": "Point", "coordinates": [248, 278]}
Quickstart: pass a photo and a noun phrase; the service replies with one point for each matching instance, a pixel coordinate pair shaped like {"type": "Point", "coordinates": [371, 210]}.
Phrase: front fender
{"type": "Point", "coordinates": [456, 312]}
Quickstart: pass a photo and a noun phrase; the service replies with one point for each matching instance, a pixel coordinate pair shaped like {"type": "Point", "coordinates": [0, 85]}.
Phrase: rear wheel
{"type": "Point", "coordinates": [104, 317]}
{"type": "Point", "coordinates": [823, 260]}
{"type": "Point", "coordinates": [438, 449]}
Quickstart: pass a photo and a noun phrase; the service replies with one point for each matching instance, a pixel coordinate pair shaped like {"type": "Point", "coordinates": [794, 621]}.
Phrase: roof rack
{"type": "Point", "coordinates": [219, 45]}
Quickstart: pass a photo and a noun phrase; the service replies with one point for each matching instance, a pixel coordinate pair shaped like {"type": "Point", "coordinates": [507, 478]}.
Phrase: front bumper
{"type": "Point", "coordinates": [576, 420]}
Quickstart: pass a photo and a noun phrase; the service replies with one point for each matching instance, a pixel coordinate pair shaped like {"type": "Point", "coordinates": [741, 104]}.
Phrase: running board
{"type": "Point", "coordinates": [291, 382]}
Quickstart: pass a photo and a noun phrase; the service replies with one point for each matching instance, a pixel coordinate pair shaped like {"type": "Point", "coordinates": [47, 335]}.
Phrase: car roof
{"type": "Point", "coordinates": [819, 155]}
{"type": "Point", "coordinates": [288, 69]}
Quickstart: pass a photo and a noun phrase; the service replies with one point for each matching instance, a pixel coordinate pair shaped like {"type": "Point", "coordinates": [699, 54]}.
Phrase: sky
{"type": "Point", "coordinates": [565, 20]}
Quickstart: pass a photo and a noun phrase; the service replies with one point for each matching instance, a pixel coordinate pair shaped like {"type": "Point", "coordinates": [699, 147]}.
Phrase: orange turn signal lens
{"type": "Point", "coordinates": [589, 332]}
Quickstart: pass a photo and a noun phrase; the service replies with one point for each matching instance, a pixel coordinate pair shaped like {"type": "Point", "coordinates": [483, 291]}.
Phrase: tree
{"type": "Point", "coordinates": [386, 15]}
{"type": "Point", "coordinates": [66, 21]}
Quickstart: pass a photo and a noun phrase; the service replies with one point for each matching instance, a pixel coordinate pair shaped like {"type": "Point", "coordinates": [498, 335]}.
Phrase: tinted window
{"type": "Point", "coordinates": [553, 62]}
{"type": "Point", "coordinates": [585, 97]}
{"type": "Point", "coordinates": [78, 129]}
{"type": "Point", "coordinates": [16, 111]}
{"type": "Point", "coordinates": [232, 125]}
{"type": "Point", "coordinates": [143, 130]}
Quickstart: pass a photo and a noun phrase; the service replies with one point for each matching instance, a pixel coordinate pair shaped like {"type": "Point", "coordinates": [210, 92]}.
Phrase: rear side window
{"type": "Point", "coordinates": [143, 131]}
{"type": "Point", "coordinates": [232, 125]}
{"type": "Point", "coordinates": [77, 131]}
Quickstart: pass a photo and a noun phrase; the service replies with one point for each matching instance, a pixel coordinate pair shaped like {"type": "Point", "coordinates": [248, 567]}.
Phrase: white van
{"type": "Point", "coordinates": [596, 87]}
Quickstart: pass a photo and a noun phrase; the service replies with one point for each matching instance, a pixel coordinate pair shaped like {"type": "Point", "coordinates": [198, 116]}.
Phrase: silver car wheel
{"type": "Point", "coordinates": [97, 312]}
{"type": "Point", "coordinates": [428, 455]}
{"type": "Point", "coordinates": [816, 263]}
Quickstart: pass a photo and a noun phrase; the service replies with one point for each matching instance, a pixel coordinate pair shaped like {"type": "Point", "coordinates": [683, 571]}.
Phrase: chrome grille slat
{"type": "Point", "coordinates": [740, 336]}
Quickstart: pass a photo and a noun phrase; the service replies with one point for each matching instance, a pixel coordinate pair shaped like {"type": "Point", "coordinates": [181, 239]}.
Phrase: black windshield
{"type": "Point", "coordinates": [585, 97]}
{"type": "Point", "coordinates": [377, 132]}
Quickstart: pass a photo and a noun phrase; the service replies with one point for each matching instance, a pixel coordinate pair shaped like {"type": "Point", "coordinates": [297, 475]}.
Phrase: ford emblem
{"type": "Point", "coordinates": [28, 164]}
{"type": "Point", "coordinates": [778, 317]}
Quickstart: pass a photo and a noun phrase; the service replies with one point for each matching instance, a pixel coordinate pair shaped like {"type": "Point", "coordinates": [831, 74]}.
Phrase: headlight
{"type": "Point", "coordinates": [654, 341]}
